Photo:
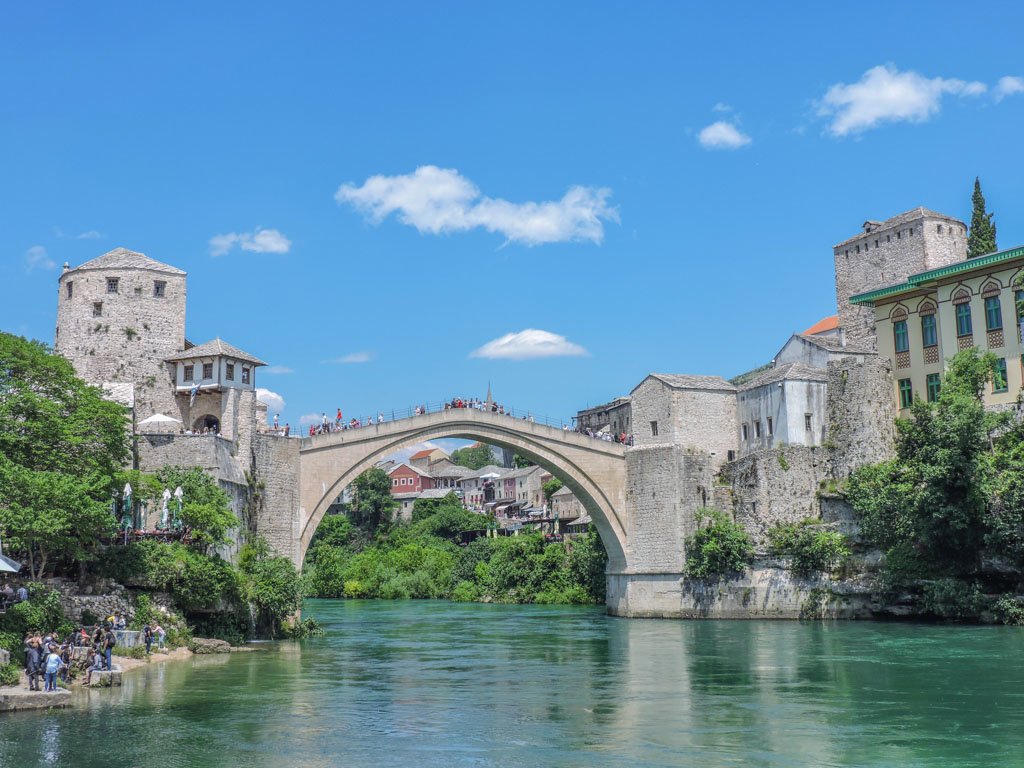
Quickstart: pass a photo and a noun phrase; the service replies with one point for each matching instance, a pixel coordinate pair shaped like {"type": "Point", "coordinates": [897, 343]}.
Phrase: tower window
{"type": "Point", "coordinates": [71, 288]}
{"type": "Point", "coordinates": [229, 372]}
{"type": "Point", "coordinates": [112, 284]}
{"type": "Point", "coordinates": [245, 378]}
{"type": "Point", "coordinates": [744, 431]}
{"type": "Point", "coordinates": [876, 243]}
{"type": "Point", "coordinates": [757, 428]}
{"type": "Point", "coordinates": [97, 309]}
{"type": "Point", "coordinates": [940, 229]}
{"type": "Point", "coordinates": [190, 372]}
{"type": "Point", "coordinates": [207, 370]}
{"type": "Point", "coordinates": [807, 422]}
{"type": "Point", "coordinates": [159, 288]}
{"type": "Point", "coordinates": [899, 234]}
{"type": "Point", "coordinates": [654, 429]}
{"type": "Point", "coordinates": [888, 238]}
{"type": "Point", "coordinates": [770, 430]}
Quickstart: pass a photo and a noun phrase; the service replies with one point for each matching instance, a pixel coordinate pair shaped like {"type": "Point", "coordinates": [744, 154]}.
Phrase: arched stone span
{"type": "Point", "coordinates": [594, 470]}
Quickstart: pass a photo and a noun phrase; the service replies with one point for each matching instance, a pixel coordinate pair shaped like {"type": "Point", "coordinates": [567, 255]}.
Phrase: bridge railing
{"type": "Point", "coordinates": [398, 414]}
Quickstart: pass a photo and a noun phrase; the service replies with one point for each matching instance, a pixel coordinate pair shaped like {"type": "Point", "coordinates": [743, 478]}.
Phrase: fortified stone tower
{"type": "Point", "coordinates": [887, 253]}
{"type": "Point", "coordinates": [119, 317]}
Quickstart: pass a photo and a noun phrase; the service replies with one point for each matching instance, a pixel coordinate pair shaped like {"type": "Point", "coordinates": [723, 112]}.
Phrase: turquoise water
{"type": "Point", "coordinates": [444, 684]}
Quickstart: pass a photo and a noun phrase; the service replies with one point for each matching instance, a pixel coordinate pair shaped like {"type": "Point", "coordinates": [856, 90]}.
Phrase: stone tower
{"type": "Point", "coordinates": [119, 317]}
{"type": "Point", "coordinates": [887, 253]}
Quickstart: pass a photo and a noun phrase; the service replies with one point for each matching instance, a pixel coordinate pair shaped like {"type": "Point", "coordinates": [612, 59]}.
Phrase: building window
{"type": "Point", "coordinates": [928, 335]}
{"type": "Point", "coordinates": [190, 372]}
{"type": "Point", "coordinates": [940, 229]}
{"type": "Point", "coordinates": [138, 290]}
{"type": "Point", "coordinates": [159, 288]}
{"type": "Point", "coordinates": [207, 370]}
{"type": "Point", "coordinates": [757, 428]}
{"type": "Point", "coordinates": [229, 371]}
{"type": "Point", "coordinates": [770, 430]}
{"type": "Point", "coordinates": [730, 455]}
{"type": "Point", "coordinates": [71, 288]}
{"type": "Point", "coordinates": [993, 314]}
{"type": "Point", "coordinates": [112, 284]}
{"type": "Point", "coordinates": [245, 376]}
{"type": "Point", "coordinates": [906, 393]}
{"type": "Point", "coordinates": [744, 431]}
{"type": "Point", "coordinates": [932, 387]}
{"type": "Point", "coordinates": [394, 481]}
{"type": "Point", "coordinates": [963, 320]}
{"type": "Point", "coordinates": [999, 382]}
{"type": "Point", "coordinates": [807, 422]}
{"type": "Point", "coordinates": [900, 335]}
{"type": "Point", "coordinates": [97, 309]}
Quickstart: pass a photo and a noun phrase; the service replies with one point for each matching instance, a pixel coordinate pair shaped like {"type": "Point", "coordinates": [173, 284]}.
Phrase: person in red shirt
{"type": "Point", "coordinates": [337, 420]}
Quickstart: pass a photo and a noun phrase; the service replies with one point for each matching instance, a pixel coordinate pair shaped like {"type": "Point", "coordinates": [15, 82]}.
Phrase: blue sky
{"type": "Point", "coordinates": [650, 186]}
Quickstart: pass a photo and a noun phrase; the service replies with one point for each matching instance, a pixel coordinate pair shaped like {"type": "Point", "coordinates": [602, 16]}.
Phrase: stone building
{"type": "Point", "coordinates": [614, 417]}
{"type": "Point", "coordinates": [887, 253]}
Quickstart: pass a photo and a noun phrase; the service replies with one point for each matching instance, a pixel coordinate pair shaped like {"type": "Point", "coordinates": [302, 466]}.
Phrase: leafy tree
{"type": "Point", "coordinates": [333, 531]}
{"type": "Point", "coordinates": [270, 583]}
{"type": "Point", "coordinates": [521, 462]}
{"type": "Point", "coordinates": [588, 561]}
{"type": "Point", "coordinates": [935, 493]}
{"type": "Point", "coordinates": [811, 546]}
{"type": "Point", "coordinates": [61, 445]}
{"type": "Point", "coordinates": [424, 508]}
{"type": "Point", "coordinates": [982, 236]}
{"type": "Point", "coordinates": [474, 456]}
{"type": "Point", "coordinates": [205, 508]}
{"type": "Point", "coordinates": [373, 507]}
{"type": "Point", "coordinates": [551, 487]}
{"type": "Point", "coordinates": [719, 547]}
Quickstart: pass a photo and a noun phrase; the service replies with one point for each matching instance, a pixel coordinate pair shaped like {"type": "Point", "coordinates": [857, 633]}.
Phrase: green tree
{"type": "Point", "coordinates": [474, 456]}
{"type": "Point", "coordinates": [372, 507]}
{"type": "Point", "coordinates": [61, 445]}
{"type": "Point", "coordinates": [270, 583]}
{"type": "Point", "coordinates": [205, 508]}
{"type": "Point", "coordinates": [551, 487]}
{"type": "Point", "coordinates": [521, 462]}
{"type": "Point", "coordinates": [934, 494]}
{"type": "Point", "coordinates": [424, 508]}
{"type": "Point", "coordinates": [982, 236]}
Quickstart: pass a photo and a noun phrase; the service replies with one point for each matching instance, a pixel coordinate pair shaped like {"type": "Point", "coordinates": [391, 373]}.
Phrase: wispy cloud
{"type": "Point", "coordinates": [277, 369]}
{"type": "Point", "coordinates": [722, 135]}
{"type": "Point", "coordinates": [440, 200]}
{"type": "Point", "coordinates": [721, 107]}
{"type": "Point", "coordinates": [528, 345]}
{"type": "Point", "coordinates": [273, 401]}
{"type": "Point", "coordinates": [90, 234]}
{"type": "Point", "coordinates": [352, 357]}
{"type": "Point", "coordinates": [886, 95]}
{"type": "Point", "coordinates": [1008, 86]}
{"type": "Point", "coordinates": [310, 418]}
{"type": "Point", "coordinates": [37, 258]}
{"type": "Point", "coordinates": [260, 240]}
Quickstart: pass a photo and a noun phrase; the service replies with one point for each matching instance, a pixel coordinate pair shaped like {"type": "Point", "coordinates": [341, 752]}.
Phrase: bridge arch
{"type": "Point", "coordinates": [593, 469]}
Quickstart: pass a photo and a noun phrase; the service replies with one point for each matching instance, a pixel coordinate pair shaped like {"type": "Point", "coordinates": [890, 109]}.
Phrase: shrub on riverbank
{"type": "Point", "coordinates": [719, 547]}
{"type": "Point", "coordinates": [811, 547]}
{"type": "Point", "coordinates": [422, 560]}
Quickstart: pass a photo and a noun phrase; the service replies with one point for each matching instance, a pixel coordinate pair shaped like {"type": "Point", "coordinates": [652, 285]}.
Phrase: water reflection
{"type": "Point", "coordinates": [425, 684]}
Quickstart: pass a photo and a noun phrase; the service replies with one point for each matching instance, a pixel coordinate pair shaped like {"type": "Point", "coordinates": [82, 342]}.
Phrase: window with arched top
{"type": "Point", "coordinates": [962, 303]}
{"type": "Point", "coordinates": [900, 336]}
{"type": "Point", "coordinates": [929, 329]}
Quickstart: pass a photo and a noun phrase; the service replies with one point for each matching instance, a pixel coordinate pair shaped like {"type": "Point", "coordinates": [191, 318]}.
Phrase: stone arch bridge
{"type": "Point", "coordinates": [642, 499]}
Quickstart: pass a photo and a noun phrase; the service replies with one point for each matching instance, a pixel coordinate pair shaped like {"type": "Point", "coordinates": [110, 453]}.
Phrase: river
{"type": "Point", "coordinates": [449, 684]}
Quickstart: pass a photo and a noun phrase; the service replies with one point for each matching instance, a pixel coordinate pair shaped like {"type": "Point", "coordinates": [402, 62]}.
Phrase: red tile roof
{"type": "Point", "coordinates": [827, 324]}
{"type": "Point", "coordinates": [422, 454]}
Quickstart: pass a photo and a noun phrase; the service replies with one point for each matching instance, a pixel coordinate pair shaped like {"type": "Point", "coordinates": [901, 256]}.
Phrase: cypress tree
{"type": "Point", "coordinates": [982, 237]}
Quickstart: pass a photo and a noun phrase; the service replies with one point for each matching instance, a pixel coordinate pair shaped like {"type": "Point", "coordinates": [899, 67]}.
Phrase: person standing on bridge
{"type": "Point", "coordinates": [275, 421]}
{"type": "Point", "coordinates": [380, 417]}
{"type": "Point", "coordinates": [337, 419]}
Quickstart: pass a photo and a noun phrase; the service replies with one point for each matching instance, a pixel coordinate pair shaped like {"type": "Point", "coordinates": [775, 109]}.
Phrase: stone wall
{"type": "Point", "coordinates": [860, 415]}
{"type": "Point", "coordinates": [776, 486]}
{"type": "Point", "coordinates": [275, 509]}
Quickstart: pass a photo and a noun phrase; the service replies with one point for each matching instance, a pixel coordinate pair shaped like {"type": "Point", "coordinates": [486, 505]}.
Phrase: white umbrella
{"type": "Point", "coordinates": [158, 418]}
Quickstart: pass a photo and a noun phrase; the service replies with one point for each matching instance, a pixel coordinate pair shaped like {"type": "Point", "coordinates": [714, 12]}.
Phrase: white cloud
{"type": "Point", "coordinates": [440, 200]}
{"type": "Point", "coordinates": [277, 369]}
{"type": "Point", "coordinates": [722, 135]}
{"type": "Point", "coordinates": [527, 345]}
{"type": "Point", "coordinates": [353, 357]}
{"type": "Point", "coordinates": [1008, 86]}
{"type": "Point", "coordinates": [884, 94]}
{"type": "Point", "coordinates": [92, 234]}
{"type": "Point", "coordinates": [310, 418]}
{"type": "Point", "coordinates": [36, 257]}
{"type": "Point", "coordinates": [721, 107]}
{"type": "Point", "coordinates": [273, 401]}
{"type": "Point", "coordinates": [260, 240]}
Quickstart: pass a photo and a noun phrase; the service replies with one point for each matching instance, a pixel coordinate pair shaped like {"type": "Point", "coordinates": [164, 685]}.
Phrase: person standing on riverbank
{"type": "Point", "coordinates": [32, 663]}
{"type": "Point", "coordinates": [109, 641]}
{"type": "Point", "coordinates": [51, 667]}
{"type": "Point", "coordinates": [147, 635]}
